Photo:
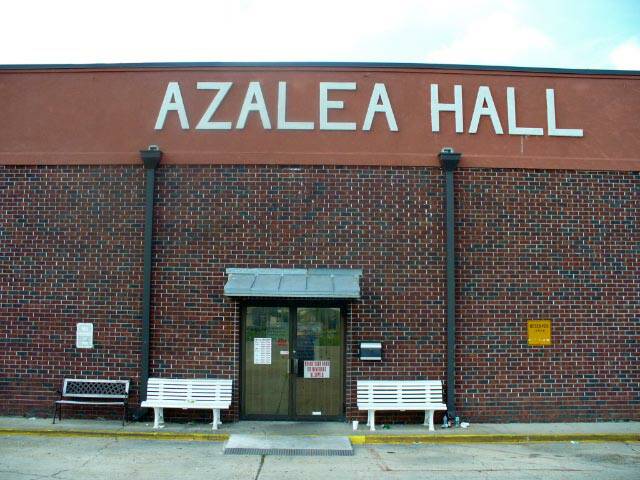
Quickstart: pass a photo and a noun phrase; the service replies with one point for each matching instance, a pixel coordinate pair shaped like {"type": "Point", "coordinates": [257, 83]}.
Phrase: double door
{"type": "Point", "coordinates": [292, 362]}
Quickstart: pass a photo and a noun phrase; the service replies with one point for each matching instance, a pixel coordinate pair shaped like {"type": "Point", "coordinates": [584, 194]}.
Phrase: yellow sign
{"type": "Point", "coordinates": [539, 332]}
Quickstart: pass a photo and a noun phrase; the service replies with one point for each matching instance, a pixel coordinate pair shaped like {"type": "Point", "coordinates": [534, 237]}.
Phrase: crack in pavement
{"type": "Point", "coordinates": [53, 475]}
{"type": "Point", "coordinates": [97, 451]}
{"type": "Point", "coordinates": [632, 446]}
{"type": "Point", "coordinates": [379, 461]}
{"type": "Point", "coordinates": [262, 457]}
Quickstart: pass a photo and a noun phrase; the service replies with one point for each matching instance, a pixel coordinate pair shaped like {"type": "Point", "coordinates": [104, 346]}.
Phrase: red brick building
{"type": "Point", "coordinates": [298, 173]}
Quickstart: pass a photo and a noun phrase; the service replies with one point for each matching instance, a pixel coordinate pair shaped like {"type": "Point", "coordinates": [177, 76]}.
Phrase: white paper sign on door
{"type": "Point", "coordinates": [262, 351]}
{"type": "Point", "coordinates": [317, 368]}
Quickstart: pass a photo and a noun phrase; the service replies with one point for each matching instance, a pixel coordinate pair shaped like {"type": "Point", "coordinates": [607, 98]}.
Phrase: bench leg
{"type": "Point", "coordinates": [158, 418]}
{"type": "Point", "coordinates": [55, 412]}
{"type": "Point", "coordinates": [216, 418]}
{"type": "Point", "coordinates": [428, 417]}
{"type": "Point", "coordinates": [372, 420]}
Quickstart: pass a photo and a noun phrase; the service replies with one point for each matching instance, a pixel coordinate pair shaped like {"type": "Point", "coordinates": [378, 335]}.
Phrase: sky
{"type": "Point", "coordinates": [591, 34]}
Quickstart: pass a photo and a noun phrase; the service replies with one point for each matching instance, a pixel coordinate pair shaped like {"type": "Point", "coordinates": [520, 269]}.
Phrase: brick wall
{"type": "Point", "coordinates": [209, 219]}
{"type": "Point", "coordinates": [549, 245]}
{"type": "Point", "coordinates": [72, 244]}
{"type": "Point", "coordinates": [531, 244]}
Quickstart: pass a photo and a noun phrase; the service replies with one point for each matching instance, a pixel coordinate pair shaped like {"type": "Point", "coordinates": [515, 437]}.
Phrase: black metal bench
{"type": "Point", "coordinates": [93, 392]}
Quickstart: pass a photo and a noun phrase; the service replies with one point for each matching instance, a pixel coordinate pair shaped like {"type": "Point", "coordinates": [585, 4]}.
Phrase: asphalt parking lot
{"type": "Point", "coordinates": [67, 458]}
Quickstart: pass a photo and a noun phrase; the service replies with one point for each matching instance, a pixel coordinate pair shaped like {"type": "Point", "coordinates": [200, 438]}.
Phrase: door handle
{"type": "Point", "coordinates": [295, 366]}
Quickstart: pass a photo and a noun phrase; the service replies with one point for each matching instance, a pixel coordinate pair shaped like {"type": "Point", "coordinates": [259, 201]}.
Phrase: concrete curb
{"type": "Point", "coordinates": [494, 438]}
{"type": "Point", "coordinates": [194, 437]}
{"type": "Point", "coordinates": [355, 439]}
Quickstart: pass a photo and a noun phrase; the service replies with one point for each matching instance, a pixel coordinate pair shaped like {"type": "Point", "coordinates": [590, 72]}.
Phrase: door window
{"type": "Point", "coordinates": [318, 389]}
{"type": "Point", "coordinates": [266, 359]}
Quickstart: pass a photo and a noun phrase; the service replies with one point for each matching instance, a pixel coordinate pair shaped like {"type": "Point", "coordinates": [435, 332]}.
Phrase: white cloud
{"type": "Point", "coordinates": [496, 39]}
{"type": "Point", "coordinates": [626, 56]}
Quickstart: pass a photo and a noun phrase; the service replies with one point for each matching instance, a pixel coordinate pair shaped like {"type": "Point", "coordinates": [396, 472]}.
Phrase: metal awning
{"type": "Point", "coordinates": [293, 283]}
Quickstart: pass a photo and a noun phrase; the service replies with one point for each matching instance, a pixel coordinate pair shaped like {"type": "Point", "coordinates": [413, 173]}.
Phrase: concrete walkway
{"type": "Point", "coordinates": [394, 434]}
{"type": "Point", "coordinates": [80, 458]}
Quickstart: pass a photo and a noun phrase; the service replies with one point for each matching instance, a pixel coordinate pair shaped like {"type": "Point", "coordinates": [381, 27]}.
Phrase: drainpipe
{"type": "Point", "coordinates": [151, 159]}
{"type": "Point", "coordinates": [449, 161]}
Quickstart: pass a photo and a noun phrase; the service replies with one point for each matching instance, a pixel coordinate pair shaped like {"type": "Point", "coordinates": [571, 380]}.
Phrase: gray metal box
{"type": "Point", "coordinates": [371, 351]}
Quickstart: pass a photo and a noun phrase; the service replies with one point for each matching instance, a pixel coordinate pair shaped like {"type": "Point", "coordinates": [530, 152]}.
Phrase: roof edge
{"type": "Point", "coordinates": [294, 271]}
{"type": "Point", "coordinates": [372, 65]}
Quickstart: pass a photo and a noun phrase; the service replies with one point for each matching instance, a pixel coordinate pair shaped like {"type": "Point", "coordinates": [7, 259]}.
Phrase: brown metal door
{"type": "Point", "coordinates": [299, 379]}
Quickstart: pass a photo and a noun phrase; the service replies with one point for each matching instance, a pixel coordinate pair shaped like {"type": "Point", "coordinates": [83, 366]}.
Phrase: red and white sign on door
{"type": "Point", "coordinates": [317, 368]}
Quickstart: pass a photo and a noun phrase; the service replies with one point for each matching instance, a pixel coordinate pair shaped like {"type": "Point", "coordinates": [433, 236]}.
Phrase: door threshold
{"type": "Point", "coordinates": [276, 428]}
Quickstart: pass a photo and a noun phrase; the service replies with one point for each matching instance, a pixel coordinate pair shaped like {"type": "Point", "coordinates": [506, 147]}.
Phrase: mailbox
{"type": "Point", "coordinates": [370, 351]}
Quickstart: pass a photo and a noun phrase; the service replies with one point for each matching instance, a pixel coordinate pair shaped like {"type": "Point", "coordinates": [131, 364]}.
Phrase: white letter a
{"type": "Point", "coordinates": [172, 101]}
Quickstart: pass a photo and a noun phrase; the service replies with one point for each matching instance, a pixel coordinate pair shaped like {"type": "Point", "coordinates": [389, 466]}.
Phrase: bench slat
{"type": "Point", "coordinates": [183, 405]}
{"type": "Point", "coordinates": [87, 402]}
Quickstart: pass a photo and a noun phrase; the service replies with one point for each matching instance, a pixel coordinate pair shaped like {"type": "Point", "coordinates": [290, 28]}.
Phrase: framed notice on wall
{"type": "Point", "coordinates": [84, 335]}
{"type": "Point", "coordinates": [539, 332]}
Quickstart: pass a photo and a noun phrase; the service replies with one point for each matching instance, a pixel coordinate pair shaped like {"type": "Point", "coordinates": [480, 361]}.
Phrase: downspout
{"type": "Point", "coordinates": [449, 161]}
{"type": "Point", "coordinates": [151, 159]}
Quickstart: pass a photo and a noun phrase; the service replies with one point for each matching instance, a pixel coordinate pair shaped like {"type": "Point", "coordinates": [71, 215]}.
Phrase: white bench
{"type": "Point", "coordinates": [203, 394]}
{"type": "Point", "coordinates": [400, 395]}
